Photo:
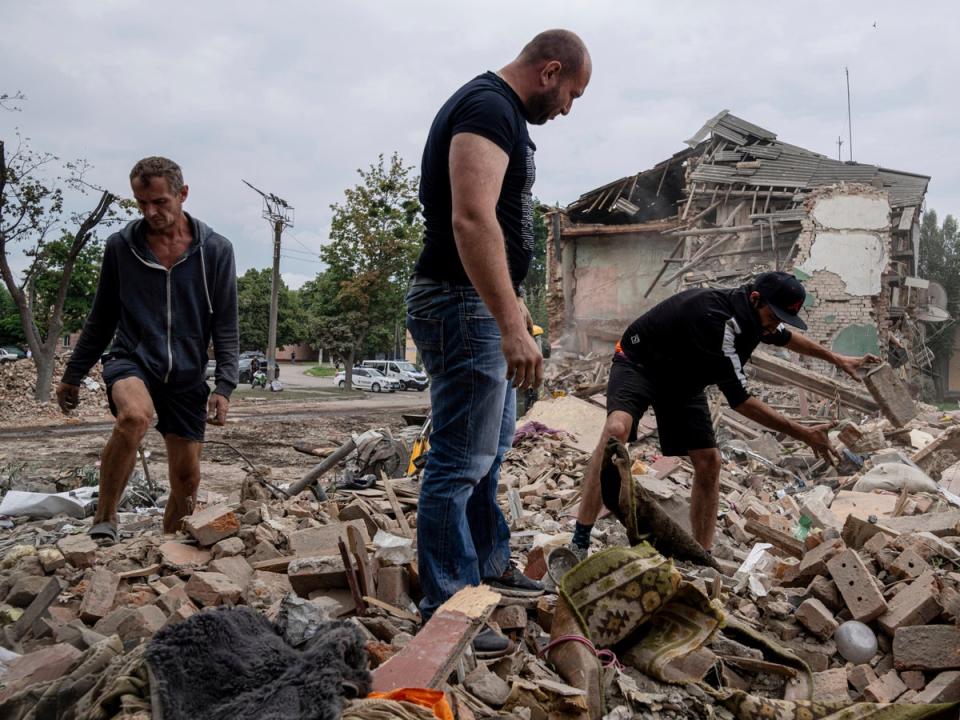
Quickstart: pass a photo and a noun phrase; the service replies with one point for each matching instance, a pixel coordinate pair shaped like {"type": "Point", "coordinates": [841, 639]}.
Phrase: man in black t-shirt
{"type": "Point", "coordinates": [669, 355]}
{"type": "Point", "coordinates": [465, 313]}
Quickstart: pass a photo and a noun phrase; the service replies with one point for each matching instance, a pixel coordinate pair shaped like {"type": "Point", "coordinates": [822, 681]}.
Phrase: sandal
{"type": "Point", "coordinates": [104, 532]}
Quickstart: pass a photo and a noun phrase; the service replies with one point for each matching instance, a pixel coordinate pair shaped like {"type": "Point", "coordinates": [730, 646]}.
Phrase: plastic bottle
{"type": "Point", "coordinates": [802, 529]}
{"type": "Point", "coordinates": [855, 642]}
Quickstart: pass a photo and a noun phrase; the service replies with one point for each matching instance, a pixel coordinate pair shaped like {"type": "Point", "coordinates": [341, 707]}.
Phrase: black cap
{"type": "Point", "coordinates": [784, 294]}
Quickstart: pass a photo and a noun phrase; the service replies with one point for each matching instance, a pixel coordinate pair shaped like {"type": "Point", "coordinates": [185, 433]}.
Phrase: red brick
{"type": "Point", "coordinates": [877, 543]}
{"type": "Point", "coordinates": [79, 550]}
{"type": "Point", "coordinates": [142, 623]}
{"type": "Point", "coordinates": [235, 568]}
{"type": "Point", "coordinates": [823, 589]}
{"type": "Point", "coordinates": [317, 573]}
{"type": "Point", "coordinates": [212, 525]}
{"type": "Point", "coordinates": [99, 596]}
{"type": "Point", "coordinates": [814, 562]}
{"type": "Point", "coordinates": [913, 679]}
{"type": "Point", "coordinates": [49, 663]}
{"type": "Point", "coordinates": [909, 564]}
{"type": "Point", "coordinates": [886, 688]}
{"type": "Point", "coordinates": [945, 687]}
{"type": "Point", "coordinates": [510, 617]}
{"type": "Point", "coordinates": [917, 604]}
{"type": "Point", "coordinates": [323, 540]}
{"type": "Point", "coordinates": [536, 564]}
{"type": "Point", "coordinates": [25, 589]}
{"type": "Point", "coordinates": [172, 599]}
{"type": "Point", "coordinates": [861, 676]}
{"type": "Point", "coordinates": [856, 586]}
{"type": "Point", "coordinates": [831, 686]}
{"type": "Point", "coordinates": [927, 647]}
{"type": "Point", "coordinates": [815, 616]}
{"type": "Point", "coordinates": [211, 588]}
{"type": "Point", "coordinates": [179, 555]}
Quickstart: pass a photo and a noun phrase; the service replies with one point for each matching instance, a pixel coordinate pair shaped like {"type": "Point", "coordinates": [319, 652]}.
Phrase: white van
{"type": "Point", "coordinates": [407, 374]}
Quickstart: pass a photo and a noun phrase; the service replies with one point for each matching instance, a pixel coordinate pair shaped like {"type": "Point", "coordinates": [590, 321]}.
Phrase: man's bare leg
{"type": "Point", "coordinates": [705, 497]}
{"type": "Point", "coordinates": [617, 426]}
{"type": "Point", "coordinates": [183, 461]}
{"type": "Point", "coordinates": [134, 415]}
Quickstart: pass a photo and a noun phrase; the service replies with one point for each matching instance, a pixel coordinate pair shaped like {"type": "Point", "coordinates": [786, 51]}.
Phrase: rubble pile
{"type": "Point", "coordinates": [837, 584]}
{"type": "Point", "coordinates": [18, 382]}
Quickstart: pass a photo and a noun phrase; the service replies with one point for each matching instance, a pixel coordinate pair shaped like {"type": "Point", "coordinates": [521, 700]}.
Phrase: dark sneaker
{"type": "Point", "coordinates": [488, 644]}
{"type": "Point", "coordinates": [514, 583]}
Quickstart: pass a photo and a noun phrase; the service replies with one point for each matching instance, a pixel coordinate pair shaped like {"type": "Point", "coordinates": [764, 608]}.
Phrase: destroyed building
{"type": "Point", "coordinates": [736, 202]}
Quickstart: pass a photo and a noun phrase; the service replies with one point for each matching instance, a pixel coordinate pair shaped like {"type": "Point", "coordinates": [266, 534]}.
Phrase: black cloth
{"type": "Point", "coordinates": [683, 424]}
{"type": "Point", "coordinates": [180, 411]}
{"type": "Point", "coordinates": [233, 663]}
{"type": "Point", "coordinates": [486, 106]}
{"type": "Point", "coordinates": [164, 320]}
{"type": "Point", "coordinates": [698, 338]}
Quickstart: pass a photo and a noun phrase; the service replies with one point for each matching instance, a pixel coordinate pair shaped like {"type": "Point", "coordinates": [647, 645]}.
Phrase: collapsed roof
{"type": "Point", "coordinates": [730, 151]}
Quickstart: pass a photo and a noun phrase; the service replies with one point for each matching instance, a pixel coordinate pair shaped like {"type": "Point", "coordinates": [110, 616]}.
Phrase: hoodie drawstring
{"type": "Point", "coordinates": [203, 266]}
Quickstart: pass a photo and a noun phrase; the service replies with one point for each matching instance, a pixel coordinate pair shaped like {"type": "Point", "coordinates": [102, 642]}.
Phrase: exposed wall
{"type": "Point", "coordinates": [842, 254]}
{"type": "Point", "coordinates": [612, 273]}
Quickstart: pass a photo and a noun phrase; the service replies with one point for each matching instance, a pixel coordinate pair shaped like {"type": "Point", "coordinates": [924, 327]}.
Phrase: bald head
{"type": "Point", "coordinates": [562, 46]}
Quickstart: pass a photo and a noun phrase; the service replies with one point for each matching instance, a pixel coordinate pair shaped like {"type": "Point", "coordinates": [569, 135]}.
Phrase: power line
{"type": "Point", "coordinates": [300, 259]}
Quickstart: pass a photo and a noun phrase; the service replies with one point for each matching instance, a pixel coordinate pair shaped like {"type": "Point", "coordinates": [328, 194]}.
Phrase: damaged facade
{"type": "Point", "coordinates": [737, 202]}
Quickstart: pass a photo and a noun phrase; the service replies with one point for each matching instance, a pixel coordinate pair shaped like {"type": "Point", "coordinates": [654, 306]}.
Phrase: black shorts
{"type": "Point", "coordinates": [180, 411]}
{"type": "Point", "coordinates": [683, 424]}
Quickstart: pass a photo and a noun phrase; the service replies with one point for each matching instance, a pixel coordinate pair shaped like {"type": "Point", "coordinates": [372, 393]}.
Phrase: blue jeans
{"type": "Point", "coordinates": [462, 536]}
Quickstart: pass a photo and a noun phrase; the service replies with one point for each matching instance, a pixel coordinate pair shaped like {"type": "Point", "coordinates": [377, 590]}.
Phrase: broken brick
{"type": "Point", "coordinates": [944, 688]}
{"type": "Point", "coordinates": [909, 564]}
{"type": "Point", "coordinates": [393, 585]}
{"type": "Point", "coordinates": [42, 665]}
{"type": "Point", "coordinates": [891, 395]}
{"type": "Point", "coordinates": [236, 568]}
{"type": "Point", "coordinates": [815, 616]}
{"type": "Point", "coordinates": [823, 589]}
{"type": "Point", "coordinates": [877, 543]}
{"type": "Point", "coordinates": [927, 647]}
{"type": "Point", "coordinates": [860, 676]}
{"type": "Point", "coordinates": [814, 562]}
{"type": "Point", "coordinates": [916, 604]}
{"type": "Point", "coordinates": [323, 540]}
{"type": "Point", "coordinates": [79, 550]}
{"type": "Point", "coordinates": [831, 686]}
{"type": "Point", "coordinates": [212, 588]}
{"type": "Point", "coordinates": [913, 679]}
{"type": "Point", "coordinates": [885, 689]}
{"type": "Point", "coordinates": [212, 525]}
{"type": "Point", "coordinates": [856, 586]}
{"type": "Point", "coordinates": [536, 566]}
{"type": "Point", "coordinates": [510, 617]}
{"type": "Point", "coordinates": [172, 599]}
{"type": "Point", "coordinates": [51, 559]}
{"type": "Point", "coordinates": [142, 623]}
{"type": "Point", "coordinates": [266, 588]}
{"type": "Point", "coordinates": [99, 596]}
{"type": "Point", "coordinates": [178, 555]}
{"type": "Point", "coordinates": [228, 548]}
{"type": "Point", "coordinates": [820, 515]}
{"type": "Point", "coordinates": [25, 589]}
{"type": "Point", "coordinates": [111, 623]}
{"type": "Point", "coordinates": [317, 573]}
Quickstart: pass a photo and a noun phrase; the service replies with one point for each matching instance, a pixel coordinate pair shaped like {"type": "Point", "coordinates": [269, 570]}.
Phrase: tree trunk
{"type": "Point", "coordinates": [44, 362]}
{"type": "Point", "coordinates": [348, 371]}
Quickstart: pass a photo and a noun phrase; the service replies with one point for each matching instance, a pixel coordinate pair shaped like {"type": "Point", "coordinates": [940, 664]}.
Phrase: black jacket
{"type": "Point", "coordinates": [698, 338]}
{"type": "Point", "coordinates": [164, 319]}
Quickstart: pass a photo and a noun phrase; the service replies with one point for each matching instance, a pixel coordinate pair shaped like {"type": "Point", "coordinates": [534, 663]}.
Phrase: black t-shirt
{"type": "Point", "coordinates": [488, 107]}
{"type": "Point", "coordinates": [697, 338]}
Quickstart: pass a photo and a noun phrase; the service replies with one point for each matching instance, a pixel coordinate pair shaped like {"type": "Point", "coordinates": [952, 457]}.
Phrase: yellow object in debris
{"type": "Point", "coordinates": [537, 331]}
{"type": "Point", "coordinates": [638, 467]}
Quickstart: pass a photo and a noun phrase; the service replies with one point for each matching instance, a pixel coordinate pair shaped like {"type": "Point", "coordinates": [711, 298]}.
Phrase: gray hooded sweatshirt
{"type": "Point", "coordinates": [164, 319]}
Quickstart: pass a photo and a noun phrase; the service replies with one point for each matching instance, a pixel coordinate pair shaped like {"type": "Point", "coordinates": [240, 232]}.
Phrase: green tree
{"type": "Point", "coordinates": [940, 262]}
{"type": "Point", "coordinates": [11, 329]}
{"type": "Point", "coordinates": [45, 282]}
{"type": "Point", "coordinates": [253, 309]}
{"type": "Point", "coordinates": [375, 236]}
{"type": "Point", "coordinates": [31, 208]}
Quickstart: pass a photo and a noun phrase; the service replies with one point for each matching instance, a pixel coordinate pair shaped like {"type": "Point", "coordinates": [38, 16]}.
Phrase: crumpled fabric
{"type": "Point", "coordinates": [234, 663]}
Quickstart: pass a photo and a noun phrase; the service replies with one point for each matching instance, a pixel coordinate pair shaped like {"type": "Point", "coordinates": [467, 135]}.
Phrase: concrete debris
{"type": "Point", "coordinates": [18, 409]}
{"type": "Point", "coordinates": [863, 586]}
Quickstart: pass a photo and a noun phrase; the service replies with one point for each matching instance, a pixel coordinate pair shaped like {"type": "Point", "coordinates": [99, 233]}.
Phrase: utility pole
{"type": "Point", "coordinates": [279, 213]}
{"type": "Point", "coordinates": [849, 117]}
{"type": "Point", "coordinates": [839, 145]}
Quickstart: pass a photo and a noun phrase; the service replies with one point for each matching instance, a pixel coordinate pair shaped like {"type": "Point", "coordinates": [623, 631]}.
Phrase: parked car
{"type": "Point", "coordinates": [246, 358]}
{"type": "Point", "coordinates": [12, 352]}
{"type": "Point", "coordinates": [211, 369]}
{"type": "Point", "coordinates": [368, 379]}
{"type": "Point", "coordinates": [406, 373]}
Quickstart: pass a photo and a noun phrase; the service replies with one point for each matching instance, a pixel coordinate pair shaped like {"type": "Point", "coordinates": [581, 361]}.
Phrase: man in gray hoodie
{"type": "Point", "coordinates": [168, 285]}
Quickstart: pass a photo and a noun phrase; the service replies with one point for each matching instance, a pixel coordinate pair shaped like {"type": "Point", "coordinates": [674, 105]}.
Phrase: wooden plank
{"type": "Point", "coordinates": [773, 369]}
{"type": "Point", "coordinates": [428, 659]}
{"type": "Point", "coordinates": [358, 547]}
{"type": "Point", "coordinates": [277, 565]}
{"type": "Point", "coordinates": [395, 505]}
{"type": "Point", "coordinates": [140, 572]}
{"type": "Point", "coordinates": [782, 540]}
{"type": "Point", "coordinates": [36, 609]}
{"type": "Point", "coordinates": [352, 579]}
{"type": "Point", "coordinates": [392, 609]}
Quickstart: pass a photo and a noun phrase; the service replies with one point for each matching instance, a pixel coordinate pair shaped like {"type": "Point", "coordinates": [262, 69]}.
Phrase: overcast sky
{"type": "Point", "coordinates": [295, 96]}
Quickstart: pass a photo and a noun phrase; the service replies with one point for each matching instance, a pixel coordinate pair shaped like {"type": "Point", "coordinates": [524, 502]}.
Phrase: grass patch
{"type": "Point", "coordinates": [260, 395]}
{"type": "Point", "coordinates": [321, 371]}
{"type": "Point", "coordinates": [952, 405]}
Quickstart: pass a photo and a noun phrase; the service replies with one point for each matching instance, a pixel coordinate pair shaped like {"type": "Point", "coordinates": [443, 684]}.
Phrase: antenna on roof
{"type": "Point", "coordinates": [839, 144]}
{"type": "Point", "coordinates": [849, 117]}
